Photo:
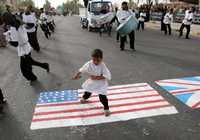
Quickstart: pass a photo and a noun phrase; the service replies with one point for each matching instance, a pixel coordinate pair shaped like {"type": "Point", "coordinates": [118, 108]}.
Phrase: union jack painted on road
{"type": "Point", "coordinates": [63, 109]}
{"type": "Point", "coordinates": [185, 89]}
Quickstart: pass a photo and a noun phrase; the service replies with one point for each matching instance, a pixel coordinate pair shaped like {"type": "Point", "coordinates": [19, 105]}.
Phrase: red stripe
{"type": "Point", "coordinates": [97, 108]}
{"type": "Point", "coordinates": [100, 113]}
{"type": "Point", "coordinates": [95, 101]}
{"type": "Point", "coordinates": [182, 91]}
{"type": "Point", "coordinates": [179, 83]}
{"type": "Point", "coordinates": [196, 105]}
{"type": "Point", "coordinates": [131, 86]}
{"type": "Point", "coordinates": [116, 93]}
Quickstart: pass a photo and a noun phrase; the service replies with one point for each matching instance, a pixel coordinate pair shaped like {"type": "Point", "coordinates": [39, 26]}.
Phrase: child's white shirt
{"type": "Point", "coordinates": [30, 19]}
{"type": "Point", "coordinates": [96, 86]}
{"type": "Point", "coordinates": [21, 37]}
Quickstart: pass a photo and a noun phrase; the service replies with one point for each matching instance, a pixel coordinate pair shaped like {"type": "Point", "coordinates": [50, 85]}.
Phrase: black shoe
{"type": "Point", "coordinates": [33, 81]}
{"type": "Point", "coordinates": [187, 38]}
{"type": "Point", "coordinates": [1, 108]}
{"type": "Point", "coordinates": [122, 49]}
{"type": "Point", "coordinates": [46, 66]}
{"type": "Point", "coordinates": [132, 48]}
{"type": "Point", "coordinates": [3, 101]}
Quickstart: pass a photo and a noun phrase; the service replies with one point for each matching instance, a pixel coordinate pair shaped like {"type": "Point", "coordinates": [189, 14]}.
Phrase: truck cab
{"type": "Point", "coordinates": [95, 9]}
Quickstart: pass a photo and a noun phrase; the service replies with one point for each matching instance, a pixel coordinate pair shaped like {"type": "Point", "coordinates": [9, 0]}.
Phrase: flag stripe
{"type": "Point", "coordinates": [196, 105]}
{"type": "Point", "coordinates": [100, 114]}
{"type": "Point", "coordinates": [102, 119]}
{"type": "Point", "coordinates": [69, 103]}
{"type": "Point", "coordinates": [126, 87]}
{"type": "Point", "coordinates": [95, 101]}
{"type": "Point", "coordinates": [113, 109]}
{"type": "Point", "coordinates": [116, 93]}
{"type": "Point", "coordinates": [97, 108]}
{"type": "Point", "coordinates": [87, 105]}
{"type": "Point", "coordinates": [184, 91]}
{"type": "Point", "coordinates": [179, 83]}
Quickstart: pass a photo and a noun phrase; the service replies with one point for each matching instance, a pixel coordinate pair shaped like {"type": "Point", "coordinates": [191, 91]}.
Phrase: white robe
{"type": "Point", "coordinates": [96, 86]}
{"type": "Point", "coordinates": [30, 19]}
{"type": "Point", "coordinates": [20, 36]}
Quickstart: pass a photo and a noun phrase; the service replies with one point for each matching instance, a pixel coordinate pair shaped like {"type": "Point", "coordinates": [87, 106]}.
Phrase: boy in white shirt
{"type": "Point", "coordinates": [187, 21]}
{"type": "Point", "coordinates": [98, 81]}
{"type": "Point", "coordinates": [168, 19]}
{"type": "Point", "coordinates": [30, 21]}
{"type": "Point", "coordinates": [122, 15]}
{"type": "Point", "coordinates": [141, 19]}
{"type": "Point", "coordinates": [17, 37]}
{"type": "Point", "coordinates": [50, 21]}
{"type": "Point", "coordinates": [43, 23]}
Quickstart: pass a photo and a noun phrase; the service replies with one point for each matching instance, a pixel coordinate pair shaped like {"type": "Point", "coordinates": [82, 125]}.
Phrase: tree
{"type": "Point", "coordinates": [191, 1]}
{"type": "Point", "coordinates": [71, 6]}
{"type": "Point", "coordinates": [47, 5]}
{"type": "Point", "coordinates": [132, 4]}
{"type": "Point", "coordinates": [25, 3]}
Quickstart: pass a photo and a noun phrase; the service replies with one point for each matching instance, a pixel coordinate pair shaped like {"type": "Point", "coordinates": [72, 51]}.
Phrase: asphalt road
{"type": "Point", "coordinates": [157, 57]}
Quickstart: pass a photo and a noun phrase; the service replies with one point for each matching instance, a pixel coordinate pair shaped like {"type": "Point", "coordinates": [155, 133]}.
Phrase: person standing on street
{"type": "Point", "coordinates": [187, 21]}
{"type": "Point", "coordinates": [168, 19]}
{"type": "Point", "coordinates": [116, 19]}
{"type": "Point", "coordinates": [50, 22]}
{"type": "Point", "coordinates": [30, 20]}
{"type": "Point", "coordinates": [17, 37]}
{"type": "Point", "coordinates": [141, 19]}
{"type": "Point", "coordinates": [2, 101]}
{"type": "Point", "coordinates": [163, 10]}
{"type": "Point", "coordinates": [122, 15]}
{"type": "Point", "coordinates": [43, 23]}
{"type": "Point", "coordinates": [2, 30]}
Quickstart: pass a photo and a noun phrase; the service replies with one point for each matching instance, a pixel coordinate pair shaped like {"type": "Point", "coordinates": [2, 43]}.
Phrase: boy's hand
{"type": "Point", "coordinates": [76, 77]}
{"type": "Point", "coordinates": [96, 77]}
{"type": "Point", "coordinates": [93, 77]}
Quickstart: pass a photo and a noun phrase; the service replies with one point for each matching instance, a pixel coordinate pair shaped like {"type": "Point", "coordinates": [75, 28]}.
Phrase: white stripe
{"type": "Point", "coordinates": [195, 98]}
{"type": "Point", "coordinates": [57, 108]}
{"type": "Point", "coordinates": [187, 81]}
{"type": "Point", "coordinates": [176, 85]}
{"type": "Point", "coordinates": [127, 90]}
{"type": "Point", "coordinates": [136, 90]}
{"type": "Point", "coordinates": [124, 86]}
{"type": "Point", "coordinates": [101, 110]}
{"type": "Point", "coordinates": [102, 119]}
{"type": "Point", "coordinates": [129, 85]}
{"type": "Point", "coordinates": [131, 94]}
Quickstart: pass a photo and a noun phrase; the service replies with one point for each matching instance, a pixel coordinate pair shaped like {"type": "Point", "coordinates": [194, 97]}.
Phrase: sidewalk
{"type": "Point", "coordinates": [195, 29]}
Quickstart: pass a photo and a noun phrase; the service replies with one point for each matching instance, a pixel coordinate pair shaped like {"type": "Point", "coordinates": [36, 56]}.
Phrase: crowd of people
{"type": "Point", "coordinates": [168, 18]}
{"type": "Point", "coordinates": [19, 30]}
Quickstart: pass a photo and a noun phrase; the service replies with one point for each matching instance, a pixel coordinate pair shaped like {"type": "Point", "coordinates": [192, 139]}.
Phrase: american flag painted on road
{"type": "Point", "coordinates": [185, 89]}
{"type": "Point", "coordinates": [63, 109]}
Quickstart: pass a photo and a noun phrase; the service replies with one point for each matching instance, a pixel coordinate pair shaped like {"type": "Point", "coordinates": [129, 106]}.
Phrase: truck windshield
{"type": "Point", "coordinates": [101, 7]}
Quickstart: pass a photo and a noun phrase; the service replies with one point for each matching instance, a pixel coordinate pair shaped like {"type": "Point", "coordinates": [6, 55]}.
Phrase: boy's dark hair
{"type": "Point", "coordinates": [124, 3]}
{"type": "Point", "coordinates": [97, 53]}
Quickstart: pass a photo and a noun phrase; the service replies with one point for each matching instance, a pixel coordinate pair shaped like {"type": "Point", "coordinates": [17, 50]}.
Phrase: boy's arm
{"type": "Point", "coordinates": [77, 76]}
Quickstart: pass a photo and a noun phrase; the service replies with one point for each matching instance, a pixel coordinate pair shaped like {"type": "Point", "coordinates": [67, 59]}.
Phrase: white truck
{"type": "Point", "coordinates": [96, 10]}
